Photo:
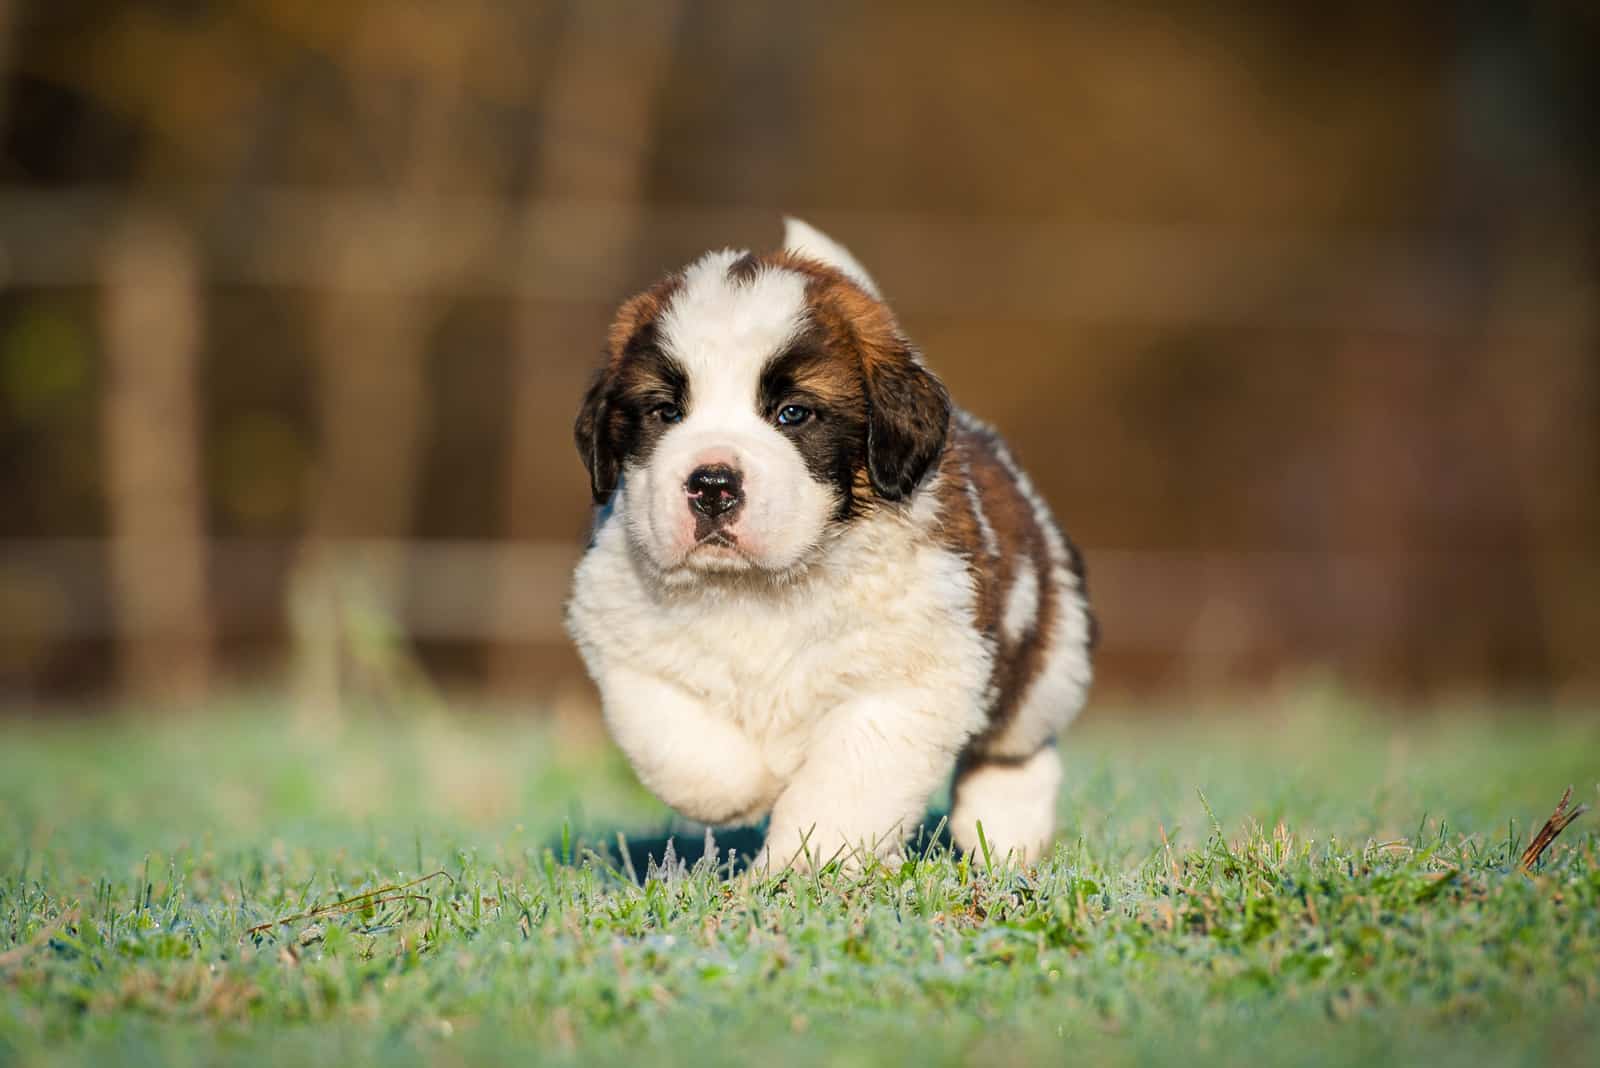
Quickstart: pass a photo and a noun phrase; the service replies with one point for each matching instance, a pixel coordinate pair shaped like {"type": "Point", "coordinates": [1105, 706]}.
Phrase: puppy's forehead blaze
{"type": "Point", "coordinates": [798, 325]}
{"type": "Point", "coordinates": [729, 318]}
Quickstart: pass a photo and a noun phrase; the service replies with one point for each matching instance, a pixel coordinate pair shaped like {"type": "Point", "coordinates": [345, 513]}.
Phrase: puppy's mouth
{"type": "Point", "coordinates": [719, 550]}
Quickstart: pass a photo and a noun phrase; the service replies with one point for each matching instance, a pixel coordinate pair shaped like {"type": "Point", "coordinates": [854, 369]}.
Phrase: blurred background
{"type": "Point", "coordinates": [1291, 310]}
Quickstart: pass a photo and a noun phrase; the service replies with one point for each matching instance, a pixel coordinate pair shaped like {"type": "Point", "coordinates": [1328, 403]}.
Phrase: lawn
{"type": "Point", "coordinates": [1311, 882]}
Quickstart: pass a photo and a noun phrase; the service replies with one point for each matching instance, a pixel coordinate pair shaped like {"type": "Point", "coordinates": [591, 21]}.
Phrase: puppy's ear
{"type": "Point", "coordinates": [595, 439]}
{"type": "Point", "coordinates": [601, 425]}
{"type": "Point", "coordinates": [803, 239]}
{"type": "Point", "coordinates": [908, 416]}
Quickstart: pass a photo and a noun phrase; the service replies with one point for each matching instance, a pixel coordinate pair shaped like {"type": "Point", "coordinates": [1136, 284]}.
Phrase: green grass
{"type": "Point", "coordinates": [1305, 885]}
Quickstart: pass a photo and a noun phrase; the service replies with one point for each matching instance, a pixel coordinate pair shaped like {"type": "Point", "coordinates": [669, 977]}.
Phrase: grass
{"type": "Point", "coordinates": [1304, 886]}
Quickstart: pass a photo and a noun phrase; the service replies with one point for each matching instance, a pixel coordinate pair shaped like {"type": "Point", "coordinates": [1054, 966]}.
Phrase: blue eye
{"type": "Point", "coordinates": [668, 413]}
{"type": "Point", "coordinates": [793, 415]}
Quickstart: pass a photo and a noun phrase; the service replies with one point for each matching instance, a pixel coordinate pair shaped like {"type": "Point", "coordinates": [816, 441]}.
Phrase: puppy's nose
{"type": "Point", "coordinates": [714, 489]}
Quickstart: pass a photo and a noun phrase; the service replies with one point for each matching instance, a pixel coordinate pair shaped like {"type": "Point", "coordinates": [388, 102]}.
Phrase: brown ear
{"type": "Point", "coordinates": [908, 416]}
{"type": "Point", "coordinates": [600, 424]}
{"type": "Point", "coordinates": [594, 437]}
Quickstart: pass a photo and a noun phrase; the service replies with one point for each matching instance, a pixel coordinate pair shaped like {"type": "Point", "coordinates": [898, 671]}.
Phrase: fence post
{"type": "Point", "coordinates": [151, 318]}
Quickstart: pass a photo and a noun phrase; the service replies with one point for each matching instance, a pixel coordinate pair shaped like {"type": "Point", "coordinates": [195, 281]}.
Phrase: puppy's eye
{"type": "Point", "coordinates": [667, 413]}
{"type": "Point", "coordinates": [793, 415]}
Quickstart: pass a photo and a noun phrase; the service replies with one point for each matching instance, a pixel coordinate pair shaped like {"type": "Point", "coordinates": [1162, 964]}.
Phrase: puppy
{"type": "Point", "coordinates": [814, 588]}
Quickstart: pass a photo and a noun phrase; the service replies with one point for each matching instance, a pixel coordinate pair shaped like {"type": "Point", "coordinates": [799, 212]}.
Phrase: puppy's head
{"type": "Point", "coordinates": [750, 406]}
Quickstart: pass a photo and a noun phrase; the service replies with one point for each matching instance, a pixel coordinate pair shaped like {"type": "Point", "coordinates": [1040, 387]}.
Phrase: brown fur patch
{"type": "Point", "coordinates": [908, 410]}
{"type": "Point", "coordinates": [636, 313]}
{"type": "Point", "coordinates": [827, 383]}
{"type": "Point", "coordinates": [611, 421]}
{"type": "Point", "coordinates": [744, 268]}
{"type": "Point", "coordinates": [975, 475]}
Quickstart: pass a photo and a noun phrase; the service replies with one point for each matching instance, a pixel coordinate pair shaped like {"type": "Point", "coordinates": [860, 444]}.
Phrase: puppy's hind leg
{"type": "Point", "coordinates": [1014, 799]}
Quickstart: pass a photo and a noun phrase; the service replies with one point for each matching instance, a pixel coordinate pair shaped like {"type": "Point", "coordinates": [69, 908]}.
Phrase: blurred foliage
{"type": "Point", "coordinates": [259, 462]}
{"type": "Point", "coordinates": [44, 363]}
{"type": "Point", "coordinates": [1290, 310]}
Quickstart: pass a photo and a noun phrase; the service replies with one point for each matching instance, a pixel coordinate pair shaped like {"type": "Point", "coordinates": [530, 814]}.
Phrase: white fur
{"type": "Point", "coordinates": [1022, 602]}
{"type": "Point", "coordinates": [837, 696]}
{"type": "Point", "coordinates": [1016, 803]}
{"type": "Point", "coordinates": [991, 543]}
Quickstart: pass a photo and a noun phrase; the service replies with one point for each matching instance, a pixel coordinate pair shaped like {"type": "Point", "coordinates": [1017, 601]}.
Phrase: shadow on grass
{"type": "Point", "coordinates": [730, 848]}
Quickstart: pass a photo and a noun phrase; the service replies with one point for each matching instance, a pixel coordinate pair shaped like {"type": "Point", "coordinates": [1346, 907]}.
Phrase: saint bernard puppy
{"type": "Point", "coordinates": [814, 588]}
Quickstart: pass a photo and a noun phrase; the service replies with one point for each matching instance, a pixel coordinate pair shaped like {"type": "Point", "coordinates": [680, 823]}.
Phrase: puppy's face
{"type": "Point", "coordinates": [750, 406]}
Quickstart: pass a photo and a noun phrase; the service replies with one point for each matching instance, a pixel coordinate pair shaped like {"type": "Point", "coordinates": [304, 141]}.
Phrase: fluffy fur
{"type": "Point", "coordinates": [814, 587]}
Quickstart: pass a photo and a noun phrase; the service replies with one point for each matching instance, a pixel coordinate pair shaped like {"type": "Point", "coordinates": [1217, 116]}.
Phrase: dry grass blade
{"type": "Point", "coordinates": [18, 954]}
{"type": "Point", "coordinates": [1553, 826]}
{"type": "Point", "coordinates": [381, 895]}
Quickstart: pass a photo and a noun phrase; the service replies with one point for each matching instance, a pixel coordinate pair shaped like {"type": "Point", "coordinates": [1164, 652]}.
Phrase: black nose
{"type": "Point", "coordinates": [714, 489]}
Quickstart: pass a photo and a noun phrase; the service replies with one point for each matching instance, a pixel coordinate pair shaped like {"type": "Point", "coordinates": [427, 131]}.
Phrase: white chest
{"type": "Point", "coordinates": [889, 610]}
